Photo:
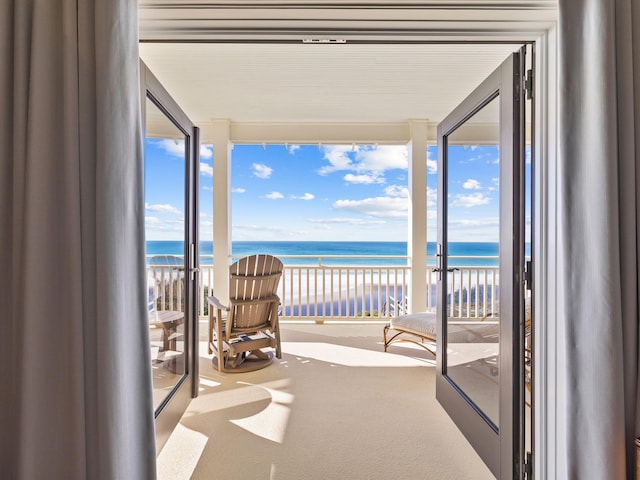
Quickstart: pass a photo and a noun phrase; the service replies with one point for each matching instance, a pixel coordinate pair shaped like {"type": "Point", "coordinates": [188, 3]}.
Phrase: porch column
{"type": "Point", "coordinates": [417, 245]}
{"type": "Point", "coordinates": [222, 148]}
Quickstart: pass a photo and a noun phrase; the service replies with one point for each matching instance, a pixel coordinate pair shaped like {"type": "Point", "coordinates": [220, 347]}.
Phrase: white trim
{"type": "Point", "coordinates": [550, 432]}
{"type": "Point", "coordinates": [353, 21]}
{"type": "Point", "coordinates": [398, 133]}
{"type": "Point", "coordinates": [328, 133]}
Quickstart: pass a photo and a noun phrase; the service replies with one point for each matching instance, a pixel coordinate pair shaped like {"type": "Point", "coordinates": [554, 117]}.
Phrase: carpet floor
{"type": "Point", "coordinates": [334, 407]}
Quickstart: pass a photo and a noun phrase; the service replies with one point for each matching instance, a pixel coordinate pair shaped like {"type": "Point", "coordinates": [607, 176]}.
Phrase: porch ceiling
{"type": "Point", "coordinates": [246, 61]}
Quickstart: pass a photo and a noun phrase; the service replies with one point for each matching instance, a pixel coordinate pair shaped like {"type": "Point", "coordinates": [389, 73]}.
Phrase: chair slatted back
{"type": "Point", "coordinates": [253, 285]}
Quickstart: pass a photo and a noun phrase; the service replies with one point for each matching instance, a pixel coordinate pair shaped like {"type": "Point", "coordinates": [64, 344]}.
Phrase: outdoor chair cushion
{"type": "Point", "coordinates": [422, 324]}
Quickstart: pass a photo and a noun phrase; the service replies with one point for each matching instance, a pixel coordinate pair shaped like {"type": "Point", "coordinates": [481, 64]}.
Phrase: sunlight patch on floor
{"type": "Point", "coordinates": [270, 423]}
{"type": "Point", "coordinates": [205, 382]}
{"type": "Point", "coordinates": [234, 397]}
{"type": "Point", "coordinates": [350, 356]}
{"type": "Point", "coordinates": [181, 453]}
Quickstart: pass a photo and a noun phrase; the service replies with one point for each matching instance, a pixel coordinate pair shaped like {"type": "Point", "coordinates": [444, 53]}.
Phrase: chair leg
{"type": "Point", "coordinates": [275, 327]}
{"type": "Point", "coordinates": [220, 354]}
{"type": "Point", "coordinates": [384, 336]}
{"type": "Point", "coordinates": [278, 346]}
{"type": "Point", "coordinates": [259, 354]}
{"type": "Point", "coordinates": [209, 349]}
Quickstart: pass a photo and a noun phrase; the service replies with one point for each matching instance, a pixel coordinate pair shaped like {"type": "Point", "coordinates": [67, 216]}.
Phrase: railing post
{"type": "Point", "coordinates": [418, 216]}
{"type": "Point", "coordinates": [222, 147]}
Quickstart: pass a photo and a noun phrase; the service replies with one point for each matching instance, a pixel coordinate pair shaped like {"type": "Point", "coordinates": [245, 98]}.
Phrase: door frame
{"type": "Point", "coordinates": [549, 384]}
{"type": "Point", "coordinates": [169, 413]}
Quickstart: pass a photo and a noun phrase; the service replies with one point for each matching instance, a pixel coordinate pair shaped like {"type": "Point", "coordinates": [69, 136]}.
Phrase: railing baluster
{"type": "Point", "coordinates": [468, 281]}
{"type": "Point", "coordinates": [485, 311]}
{"type": "Point", "coordinates": [331, 292]}
{"type": "Point", "coordinates": [339, 292]}
{"type": "Point", "coordinates": [347, 300]}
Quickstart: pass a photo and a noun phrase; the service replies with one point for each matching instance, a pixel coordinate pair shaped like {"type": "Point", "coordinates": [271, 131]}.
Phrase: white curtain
{"type": "Point", "coordinates": [75, 381]}
{"type": "Point", "coordinates": [599, 155]}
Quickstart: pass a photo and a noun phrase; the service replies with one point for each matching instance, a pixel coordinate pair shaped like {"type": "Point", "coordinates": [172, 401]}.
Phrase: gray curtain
{"type": "Point", "coordinates": [75, 380]}
{"type": "Point", "coordinates": [599, 155]}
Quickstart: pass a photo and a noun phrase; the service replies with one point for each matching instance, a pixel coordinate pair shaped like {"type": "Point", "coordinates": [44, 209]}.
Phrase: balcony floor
{"type": "Point", "coordinates": [335, 406]}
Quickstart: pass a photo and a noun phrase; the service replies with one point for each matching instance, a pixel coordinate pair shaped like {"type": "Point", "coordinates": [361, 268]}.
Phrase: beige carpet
{"type": "Point", "coordinates": [334, 407]}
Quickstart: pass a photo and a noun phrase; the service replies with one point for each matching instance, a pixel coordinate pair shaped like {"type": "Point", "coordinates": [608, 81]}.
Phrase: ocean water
{"type": "Point", "coordinates": [307, 253]}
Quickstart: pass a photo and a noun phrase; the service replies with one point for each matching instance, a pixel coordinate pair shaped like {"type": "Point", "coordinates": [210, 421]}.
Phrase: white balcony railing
{"type": "Point", "coordinates": [365, 289]}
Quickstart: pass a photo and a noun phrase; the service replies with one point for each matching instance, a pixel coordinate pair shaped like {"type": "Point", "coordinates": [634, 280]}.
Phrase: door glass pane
{"type": "Point", "coordinates": [473, 233]}
{"type": "Point", "coordinates": [165, 166]}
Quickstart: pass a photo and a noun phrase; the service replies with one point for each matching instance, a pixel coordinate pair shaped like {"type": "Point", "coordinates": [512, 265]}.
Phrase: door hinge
{"type": "Point", "coordinates": [528, 467]}
{"type": "Point", "coordinates": [528, 275]}
{"type": "Point", "coordinates": [528, 84]}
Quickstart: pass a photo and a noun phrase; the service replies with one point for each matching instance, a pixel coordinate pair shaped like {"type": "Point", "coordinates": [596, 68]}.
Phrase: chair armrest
{"type": "Point", "coordinates": [217, 303]}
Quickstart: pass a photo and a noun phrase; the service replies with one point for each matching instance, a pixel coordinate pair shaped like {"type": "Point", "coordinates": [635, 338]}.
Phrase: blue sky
{"type": "Point", "coordinates": [311, 192]}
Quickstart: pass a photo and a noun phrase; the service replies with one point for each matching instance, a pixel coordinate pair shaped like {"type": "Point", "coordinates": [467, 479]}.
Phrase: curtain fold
{"type": "Point", "coordinates": [75, 391]}
{"type": "Point", "coordinates": [599, 127]}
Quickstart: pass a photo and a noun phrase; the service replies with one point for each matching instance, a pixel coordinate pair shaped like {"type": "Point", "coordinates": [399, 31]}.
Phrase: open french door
{"type": "Point", "coordinates": [479, 352]}
{"type": "Point", "coordinates": [171, 148]}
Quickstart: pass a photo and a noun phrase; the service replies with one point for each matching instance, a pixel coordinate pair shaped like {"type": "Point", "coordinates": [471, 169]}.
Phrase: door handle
{"type": "Point", "coordinates": [192, 259]}
{"type": "Point", "coordinates": [438, 268]}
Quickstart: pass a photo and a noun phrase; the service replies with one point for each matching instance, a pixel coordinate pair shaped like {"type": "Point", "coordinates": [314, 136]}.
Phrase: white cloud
{"type": "Point", "coordinates": [384, 157]}
{"type": "Point", "coordinates": [432, 165]}
{"type": "Point", "coordinates": [238, 190]}
{"type": "Point", "coordinates": [396, 191]}
{"type": "Point", "coordinates": [274, 195]}
{"type": "Point", "coordinates": [379, 207]}
{"type": "Point", "coordinates": [481, 229]}
{"type": "Point", "coordinates": [471, 200]}
{"type": "Point", "coordinates": [292, 149]}
{"type": "Point", "coordinates": [163, 208]}
{"type": "Point", "coordinates": [338, 158]}
{"type": "Point", "coordinates": [363, 179]}
{"type": "Point", "coordinates": [206, 169]}
{"type": "Point", "coordinates": [152, 220]}
{"type": "Point", "coordinates": [206, 151]}
{"type": "Point", "coordinates": [432, 197]}
{"type": "Point", "coordinates": [474, 223]}
{"type": "Point", "coordinates": [175, 148]}
{"type": "Point", "coordinates": [262, 232]}
{"type": "Point", "coordinates": [345, 220]}
{"type": "Point", "coordinates": [306, 196]}
{"type": "Point", "coordinates": [260, 228]}
{"type": "Point", "coordinates": [365, 159]}
{"type": "Point", "coordinates": [471, 184]}
{"type": "Point", "coordinates": [262, 171]}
